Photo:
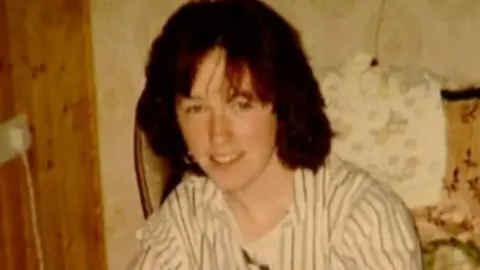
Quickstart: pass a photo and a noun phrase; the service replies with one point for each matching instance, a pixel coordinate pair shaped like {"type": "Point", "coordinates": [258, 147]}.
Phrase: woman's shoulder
{"type": "Point", "coordinates": [162, 236]}
{"type": "Point", "coordinates": [368, 220]}
{"type": "Point", "coordinates": [160, 225]}
{"type": "Point", "coordinates": [344, 177]}
{"type": "Point", "coordinates": [185, 203]}
{"type": "Point", "coordinates": [353, 196]}
{"type": "Point", "coordinates": [349, 186]}
{"type": "Point", "coordinates": [160, 243]}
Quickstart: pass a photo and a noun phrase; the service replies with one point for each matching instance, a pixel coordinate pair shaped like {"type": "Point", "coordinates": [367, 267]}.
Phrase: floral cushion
{"type": "Point", "coordinates": [391, 123]}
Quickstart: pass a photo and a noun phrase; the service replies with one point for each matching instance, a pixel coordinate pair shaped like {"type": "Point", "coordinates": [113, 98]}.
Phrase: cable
{"type": "Point", "coordinates": [377, 30]}
{"type": "Point", "coordinates": [18, 141]}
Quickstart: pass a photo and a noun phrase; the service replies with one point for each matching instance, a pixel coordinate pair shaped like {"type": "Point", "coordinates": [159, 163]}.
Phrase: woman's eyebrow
{"type": "Point", "coordinates": [242, 93]}
{"type": "Point", "coordinates": [189, 98]}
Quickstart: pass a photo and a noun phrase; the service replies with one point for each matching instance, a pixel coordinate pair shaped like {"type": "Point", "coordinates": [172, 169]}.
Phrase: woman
{"type": "Point", "coordinates": [232, 102]}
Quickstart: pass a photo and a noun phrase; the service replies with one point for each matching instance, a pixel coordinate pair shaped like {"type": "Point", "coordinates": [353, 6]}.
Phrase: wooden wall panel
{"type": "Point", "coordinates": [15, 228]}
{"type": "Point", "coordinates": [47, 72]}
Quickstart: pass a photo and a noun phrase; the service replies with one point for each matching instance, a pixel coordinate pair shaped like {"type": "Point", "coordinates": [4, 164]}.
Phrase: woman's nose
{"type": "Point", "coordinates": [219, 128]}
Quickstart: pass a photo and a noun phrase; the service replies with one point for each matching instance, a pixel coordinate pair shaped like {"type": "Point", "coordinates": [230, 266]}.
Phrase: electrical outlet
{"type": "Point", "coordinates": [17, 138]}
{"type": "Point", "coordinates": [14, 138]}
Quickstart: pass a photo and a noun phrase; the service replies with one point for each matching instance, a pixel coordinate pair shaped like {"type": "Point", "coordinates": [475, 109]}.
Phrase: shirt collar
{"type": "Point", "coordinates": [215, 208]}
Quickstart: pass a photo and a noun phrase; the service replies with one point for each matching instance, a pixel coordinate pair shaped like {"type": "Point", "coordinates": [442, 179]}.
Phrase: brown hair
{"type": "Point", "coordinates": [253, 36]}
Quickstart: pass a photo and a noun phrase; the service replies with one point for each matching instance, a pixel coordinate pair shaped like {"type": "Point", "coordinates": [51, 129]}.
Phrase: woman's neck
{"type": "Point", "coordinates": [263, 202]}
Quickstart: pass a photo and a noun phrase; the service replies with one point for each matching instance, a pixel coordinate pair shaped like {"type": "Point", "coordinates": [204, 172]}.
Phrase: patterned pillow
{"type": "Point", "coordinates": [390, 122]}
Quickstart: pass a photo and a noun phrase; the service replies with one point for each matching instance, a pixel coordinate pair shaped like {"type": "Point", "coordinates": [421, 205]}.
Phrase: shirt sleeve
{"type": "Point", "coordinates": [379, 234]}
{"type": "Point", "coordinates": [159, 248]}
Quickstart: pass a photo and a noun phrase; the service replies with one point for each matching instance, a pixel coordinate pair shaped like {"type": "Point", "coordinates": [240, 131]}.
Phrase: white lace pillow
{"type": "Point", "coordinates": [391, 123]}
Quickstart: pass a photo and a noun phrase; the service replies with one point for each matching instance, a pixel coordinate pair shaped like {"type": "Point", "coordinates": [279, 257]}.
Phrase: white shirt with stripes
{"type": "Point", "coordinates": [341, 219]}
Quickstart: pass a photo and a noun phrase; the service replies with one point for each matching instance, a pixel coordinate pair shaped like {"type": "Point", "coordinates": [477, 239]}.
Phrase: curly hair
{"type": "Point", "coordinates": [255, 37]}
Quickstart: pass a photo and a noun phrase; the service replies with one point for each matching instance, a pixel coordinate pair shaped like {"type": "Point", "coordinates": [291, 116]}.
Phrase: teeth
{"type": "Point", "coordinates": [224, 159]}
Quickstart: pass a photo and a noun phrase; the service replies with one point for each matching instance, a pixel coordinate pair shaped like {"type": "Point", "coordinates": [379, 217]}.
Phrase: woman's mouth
{"type": "Point", "coordinates": [225, 159]}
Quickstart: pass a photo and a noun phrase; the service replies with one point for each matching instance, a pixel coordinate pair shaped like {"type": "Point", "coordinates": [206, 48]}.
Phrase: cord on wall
{"type": "Point", "coordinates": [377, 31]}
{"type": "Point", "coordinates": [15, 141]}
{"type": "Point", "coordinates": [33, 211]}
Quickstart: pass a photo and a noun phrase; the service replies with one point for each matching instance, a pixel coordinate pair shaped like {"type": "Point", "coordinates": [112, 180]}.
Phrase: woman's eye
{"type": "Point", "coordinates": [242, 104]}
{"type": "Point", "coordinates": [194, 108]}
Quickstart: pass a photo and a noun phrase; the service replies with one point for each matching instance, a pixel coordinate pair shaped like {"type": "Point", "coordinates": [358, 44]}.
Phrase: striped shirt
{"type": "Point", "coordinates": [340, 219]}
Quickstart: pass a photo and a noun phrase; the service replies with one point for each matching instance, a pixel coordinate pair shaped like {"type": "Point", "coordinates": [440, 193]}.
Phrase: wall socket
{"type": "Point", "coordinates": [15, 138]}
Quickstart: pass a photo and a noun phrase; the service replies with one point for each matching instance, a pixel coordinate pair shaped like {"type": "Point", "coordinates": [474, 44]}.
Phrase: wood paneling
{"type": "Point", "coordinates": [46, 71]}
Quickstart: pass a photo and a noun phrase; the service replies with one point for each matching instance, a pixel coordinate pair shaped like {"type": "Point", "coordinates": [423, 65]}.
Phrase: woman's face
{"type": "Point", "coordinates": [230, 134]}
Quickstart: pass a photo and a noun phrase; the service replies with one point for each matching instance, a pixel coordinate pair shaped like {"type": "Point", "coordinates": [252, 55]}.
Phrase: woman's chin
{"type": "Point", "coordinates": [231, 184]}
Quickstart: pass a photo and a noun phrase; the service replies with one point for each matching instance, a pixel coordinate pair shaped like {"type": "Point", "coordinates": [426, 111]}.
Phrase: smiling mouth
{"type": "Point", "coordinates": [225, 159]}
